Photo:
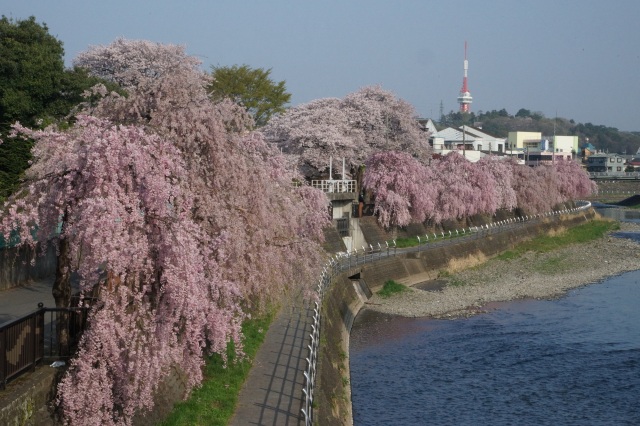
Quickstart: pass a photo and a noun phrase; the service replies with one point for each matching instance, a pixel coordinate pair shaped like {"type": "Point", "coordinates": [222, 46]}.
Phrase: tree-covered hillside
{"type": "Point", "coordinates": [500, 123]}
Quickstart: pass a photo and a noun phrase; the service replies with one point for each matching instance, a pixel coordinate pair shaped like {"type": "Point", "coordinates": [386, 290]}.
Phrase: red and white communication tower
{"type": "Point", "coordinates": [465, 98]}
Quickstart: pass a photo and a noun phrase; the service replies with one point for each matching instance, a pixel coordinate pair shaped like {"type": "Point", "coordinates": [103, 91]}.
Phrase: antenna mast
{"type": "Point", "coordinates": [465, 98]}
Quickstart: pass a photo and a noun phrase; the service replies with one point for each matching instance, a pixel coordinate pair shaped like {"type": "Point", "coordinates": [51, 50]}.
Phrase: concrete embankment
{"type": "Point", "coordinates": [347, 295]}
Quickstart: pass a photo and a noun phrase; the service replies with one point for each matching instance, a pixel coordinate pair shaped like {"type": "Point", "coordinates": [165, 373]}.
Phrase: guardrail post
{"type": "Point", "coordinates": [34, 325]}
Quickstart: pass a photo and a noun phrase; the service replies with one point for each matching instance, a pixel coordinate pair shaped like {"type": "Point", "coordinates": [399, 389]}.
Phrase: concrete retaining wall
{"type": "Point", "coordinates": [25, 401]}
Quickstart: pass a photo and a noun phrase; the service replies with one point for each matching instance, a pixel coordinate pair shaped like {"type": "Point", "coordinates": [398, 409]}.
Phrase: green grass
{"type": "Point", "coordinates": [390, 288]}
{"type": "Point", "coordinates": [214, 402]}
{"type": "Point", "coordinates": [579, 234]}
{"type": "Point", "coordinates": [407, 242]}
{"type": "Point", "coordinates": [404, 242]}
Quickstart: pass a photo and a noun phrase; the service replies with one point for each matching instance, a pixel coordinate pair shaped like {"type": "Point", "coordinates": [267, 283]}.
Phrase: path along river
{"type": "Point", "coordinates": [571, 361]}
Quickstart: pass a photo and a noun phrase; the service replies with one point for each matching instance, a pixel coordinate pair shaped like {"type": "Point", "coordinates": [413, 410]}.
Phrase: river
{"type": "Point", "coordinates": [571, 361]}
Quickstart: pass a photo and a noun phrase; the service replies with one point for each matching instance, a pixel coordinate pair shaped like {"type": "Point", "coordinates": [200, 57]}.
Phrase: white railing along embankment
{"type": "Point", "coordinates": [345, 261]}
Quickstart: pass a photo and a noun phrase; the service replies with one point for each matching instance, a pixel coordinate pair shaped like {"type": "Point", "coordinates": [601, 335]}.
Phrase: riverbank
{"type": "Point", "coordinates": [532, 275]}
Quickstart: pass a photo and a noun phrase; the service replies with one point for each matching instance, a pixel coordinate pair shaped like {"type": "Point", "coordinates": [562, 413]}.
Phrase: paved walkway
{"type": "Point", "coordinates": [272, 394]}
{"type": "Point", "coordinates": [20, 301]}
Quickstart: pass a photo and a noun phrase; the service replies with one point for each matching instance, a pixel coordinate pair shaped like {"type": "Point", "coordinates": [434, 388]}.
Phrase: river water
{"type": "Point", "coordinates": [571, 361]}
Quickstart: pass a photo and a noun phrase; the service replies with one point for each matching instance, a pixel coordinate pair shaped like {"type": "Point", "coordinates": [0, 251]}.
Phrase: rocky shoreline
{"type": "Point", "coordinates": [537, 276]}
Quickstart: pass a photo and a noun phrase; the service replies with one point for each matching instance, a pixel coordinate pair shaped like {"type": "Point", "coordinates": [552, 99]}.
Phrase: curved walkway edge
{"type": "Point", "coordinates": [272, 394]}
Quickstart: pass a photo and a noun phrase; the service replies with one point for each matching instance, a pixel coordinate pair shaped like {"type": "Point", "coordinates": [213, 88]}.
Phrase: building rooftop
{"type": "Point", "coordinates": [451, 134]}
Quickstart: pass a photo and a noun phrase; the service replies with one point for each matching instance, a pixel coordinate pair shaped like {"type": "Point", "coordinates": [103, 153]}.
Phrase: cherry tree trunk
{"type": "Point", "coordinates": [62, 295]}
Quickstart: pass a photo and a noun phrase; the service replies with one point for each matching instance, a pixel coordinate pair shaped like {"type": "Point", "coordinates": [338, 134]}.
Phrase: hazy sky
{"type": "Point", "coordinates": [577, 58]}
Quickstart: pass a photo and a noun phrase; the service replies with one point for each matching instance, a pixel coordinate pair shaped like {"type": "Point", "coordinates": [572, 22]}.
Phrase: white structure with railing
{"type": "Point", "coordinates": [333, 185]}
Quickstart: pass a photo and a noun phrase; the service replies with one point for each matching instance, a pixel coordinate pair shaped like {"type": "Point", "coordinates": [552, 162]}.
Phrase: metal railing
{"type": "Point", "coordinates": [331, 185]}
{"type": "Point", "coordinates": [345, 261]}
{"type": "Point", "coordinates": [25, 342]}
{"type": "Point", "coordinates": [312, 360]}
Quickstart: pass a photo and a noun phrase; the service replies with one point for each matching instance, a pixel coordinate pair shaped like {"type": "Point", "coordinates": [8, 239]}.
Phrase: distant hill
{"type": "Point", "coordinates": [500, 123]}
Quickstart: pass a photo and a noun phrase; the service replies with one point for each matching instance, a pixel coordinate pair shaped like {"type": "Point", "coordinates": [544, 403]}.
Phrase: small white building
{"type": "Point", "coordinates": [565, 144]}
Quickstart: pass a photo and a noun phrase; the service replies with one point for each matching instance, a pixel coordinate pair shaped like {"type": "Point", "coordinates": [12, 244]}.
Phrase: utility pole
{"type": "Point", "coordinates": [464, 141]}
{"type": "Point", "coordinates": [553, 153]}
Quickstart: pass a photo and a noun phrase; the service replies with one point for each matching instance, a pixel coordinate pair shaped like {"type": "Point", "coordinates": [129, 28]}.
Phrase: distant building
{"type": "Point", "coordinates": [468, 141]}
{"type": "Point", "coordinates": [427, 125]}
{"type": "Point", "coordinates": [606, 163]}
{"type": "Point", "coordinates": [635, 163]}
{"type": "Point", "coordinates": [587, 150]}
{"type": "Point", "coordinates": [535, 149]}
{"type": "Point", "coordinates": [523, 140]}
{"type": "Point", "coordinates": [536, 158]}
{"type": "Point", "coordinates": [565, 144]}
{"type": "Point", "coordinates": [484, 141]}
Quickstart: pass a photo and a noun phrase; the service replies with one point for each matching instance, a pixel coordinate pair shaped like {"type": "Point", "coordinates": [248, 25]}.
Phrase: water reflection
{"type": "Point", "coordinates": [617, 213]}
{"type": "Point", "coordinates": [373, 328]}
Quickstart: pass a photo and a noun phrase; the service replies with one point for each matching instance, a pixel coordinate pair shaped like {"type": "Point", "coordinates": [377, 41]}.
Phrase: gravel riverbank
{"type": "Point", "coordinates": [540, 276]}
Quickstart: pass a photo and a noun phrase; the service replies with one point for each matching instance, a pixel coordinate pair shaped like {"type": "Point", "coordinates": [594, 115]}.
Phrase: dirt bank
{"type": "Point", "coordinates": [540, 276]}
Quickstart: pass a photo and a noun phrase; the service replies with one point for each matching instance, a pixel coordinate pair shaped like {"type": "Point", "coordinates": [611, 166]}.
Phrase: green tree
{"type": "Point", "coordinates": [31, 70]}
{"type": "Point", "coordinates": [251, 88]}
{"type": "Point", "coordinates": [35, 89]}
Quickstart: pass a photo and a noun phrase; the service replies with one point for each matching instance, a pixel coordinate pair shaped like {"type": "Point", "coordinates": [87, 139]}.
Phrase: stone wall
{"type": "Point", "coordinates": [16, 268]}
{"type": "Point", "coordinates": [25, 401]}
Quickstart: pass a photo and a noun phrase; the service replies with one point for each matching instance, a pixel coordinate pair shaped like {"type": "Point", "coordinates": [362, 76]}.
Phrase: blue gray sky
{"type": "Point", "coordinates": [579, 59]}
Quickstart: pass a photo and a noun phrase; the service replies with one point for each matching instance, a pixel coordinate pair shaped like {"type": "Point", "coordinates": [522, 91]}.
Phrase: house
{"type": "Point", "coordinates": [427, 125]}
{"type": "Point", "coordinates": [587, 150]}
{"type": "Point", "coordinates": [468, 141]}
{"type": "Point", "coordinates": [612, 164]}
{"type": "Point", "coordinates": [485, 142]}
{"type": "Point", "coordinates": [635, 163]}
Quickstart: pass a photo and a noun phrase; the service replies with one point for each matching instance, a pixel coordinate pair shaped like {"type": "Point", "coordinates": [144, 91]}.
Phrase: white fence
{"type": "Point", "coordinates": [335, 185]}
